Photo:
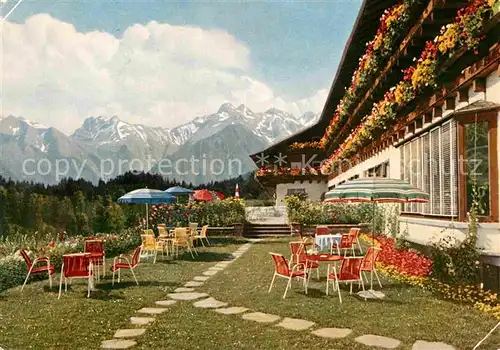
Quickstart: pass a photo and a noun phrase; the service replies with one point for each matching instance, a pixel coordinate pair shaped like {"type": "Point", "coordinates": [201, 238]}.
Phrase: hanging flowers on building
{"type": "Point", "coordinates": [418, 78]}
{"type": "Point", "coordinates": [305, 145]}
{"type": "Point", "coordinates": [288, 171]}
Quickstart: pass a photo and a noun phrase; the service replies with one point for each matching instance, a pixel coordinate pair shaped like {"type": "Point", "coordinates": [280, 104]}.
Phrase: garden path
{"type": "Point", "coordinates": [123, 338]}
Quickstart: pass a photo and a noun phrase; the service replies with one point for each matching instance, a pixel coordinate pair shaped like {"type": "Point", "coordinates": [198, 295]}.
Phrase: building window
{"type": "Point", "coordinates": [296, 192]}
{"type": "Point", "coordinates": [479, 164]}
{"type": "Point", "coordinates": [429, 162]}
{"type": "Point", "coordinates": [381, 170]}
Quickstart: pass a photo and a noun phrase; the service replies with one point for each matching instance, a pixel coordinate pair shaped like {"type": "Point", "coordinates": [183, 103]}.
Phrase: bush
{"type": "Point", "coordinates": [219, 213]}
{"type": "Point", "coordinates": [312, 213]}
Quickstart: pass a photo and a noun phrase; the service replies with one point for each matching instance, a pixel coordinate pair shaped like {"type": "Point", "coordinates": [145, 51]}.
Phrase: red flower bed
{"type": "Point", "coordinates": [405, 261]}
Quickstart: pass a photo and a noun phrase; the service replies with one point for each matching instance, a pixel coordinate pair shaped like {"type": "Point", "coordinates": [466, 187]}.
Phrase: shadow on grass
{"type": "Point", "coordinates": [205, 257]}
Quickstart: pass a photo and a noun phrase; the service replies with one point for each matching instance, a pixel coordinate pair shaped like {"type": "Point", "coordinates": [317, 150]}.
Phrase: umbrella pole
{"type": "Point", "coordinates": [147, 217]}
{"type": "Point", "coordinates": [373, 245]}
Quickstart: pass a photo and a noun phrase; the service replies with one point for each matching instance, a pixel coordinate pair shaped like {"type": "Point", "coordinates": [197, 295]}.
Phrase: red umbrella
{"type": "Point", "coordinates": [218, 194]}
{"type": "Point", "coordinates": [204, 195]}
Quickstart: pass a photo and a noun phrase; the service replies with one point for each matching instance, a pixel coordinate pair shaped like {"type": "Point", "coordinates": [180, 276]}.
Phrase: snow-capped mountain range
{"type": "Point", "coordinates": [100, 138]}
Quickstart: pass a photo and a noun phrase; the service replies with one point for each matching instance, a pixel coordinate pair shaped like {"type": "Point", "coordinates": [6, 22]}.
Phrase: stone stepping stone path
{"type": "Point", "coordinates": [333, 333]}
{"type": "Point", "coordinates": [117, 344]}
{"type": "Point", "coordinates": [183, 293]}
{"type": "Point", "coordinates": [187, 296]}
{"type": "Point", "coordinates": [193, 284]}
{"type": "Point", "coordinates": [210, 272]}
{"type": "Point", "coordinates": [295, 324]}
{"type": "Point", "coordinates": [199, 279]}
{"type": "Point", "coordinates": [260, 317]}
{"type": "Point", "coordinates": [231, 310]}
{"type": "Point", "coordinates": [152, 310]}
{"type": "Point", "coordinates": [209, 303]}
{"type": "Point", "coordinates": [377, 340]}
{"type": "Point", "coordinates": [141, 321]}
{"type": "Point", "coordinates": [423, 345]}
{"type": "Point", "coordinates": [165, 302]}
{"type": "Point", "coordinates": [129, 333]}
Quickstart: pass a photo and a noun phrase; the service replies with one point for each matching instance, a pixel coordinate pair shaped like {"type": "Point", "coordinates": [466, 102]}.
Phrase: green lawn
{"type": "Point", "coordinates": [75, 322]}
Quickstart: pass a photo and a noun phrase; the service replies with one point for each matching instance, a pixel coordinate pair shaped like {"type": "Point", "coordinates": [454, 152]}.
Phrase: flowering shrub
{"type": "Point", "coordinates": [464, 32]}
{"type": "Point", "coordinates": [218, 213]}
{"type": "Point", "coordinates": [313, 213]}
{"type": "Point", "coordinates": [288, 171]}
{"type": "Point", "coordinates": [413, 268]}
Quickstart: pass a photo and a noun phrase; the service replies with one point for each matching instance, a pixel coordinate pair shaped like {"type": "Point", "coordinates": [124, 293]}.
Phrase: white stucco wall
{"type": "Point", "coordinates": [493, 95]}
{"type": "Point", "coordinates": [390, 154]}
{"type": "Point", "coordinates": [314, 190]}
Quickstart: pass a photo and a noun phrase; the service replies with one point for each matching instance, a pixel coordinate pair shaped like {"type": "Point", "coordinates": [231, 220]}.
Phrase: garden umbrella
{"type": "Point", "coordinates": [179, 191]}
{"type": "Point", "coordinates": [237, 192]}
{"type": "Point", "coordinates": [146, 196]}
{"type": "Point", "coordinates": [376, 190]}
{"type": "Point", "coordinates": [204, 195]}
{"type": "Point", "coordinates": [219, 195]}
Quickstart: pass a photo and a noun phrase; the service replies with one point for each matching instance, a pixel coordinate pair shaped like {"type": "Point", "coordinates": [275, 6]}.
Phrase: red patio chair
{"type": "Point", "coordinates": [350, 271]}
{"type": "Point", "coordinates": [77, 265]}
{"type": "Point", "coordinates": [32, 270]}
{"type": "Point", "coordinates": [354, 231]}
{"type": "Point", "coordinates": [283, 270]}
{"type": "Point", "coordinates": [369, 263]}
{"type": "Point", "coordinates": [322, 230]}
{"type": "Point", "coordinates": [97, 255]}
{"type": "Point", "coordinates": [125, 261]}
{"type": "Point", "coordinates": [346, 243]}
{"type": "Point", "coordinates": [299, 256]}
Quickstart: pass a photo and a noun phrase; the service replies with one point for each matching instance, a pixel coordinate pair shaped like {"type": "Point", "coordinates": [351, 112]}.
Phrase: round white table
{"type": "Point", "coordinates": [324, 242]}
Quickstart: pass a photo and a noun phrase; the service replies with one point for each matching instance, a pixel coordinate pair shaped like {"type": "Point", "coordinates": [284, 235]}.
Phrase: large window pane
{"type": "Point", "coordinates": [477, 167]}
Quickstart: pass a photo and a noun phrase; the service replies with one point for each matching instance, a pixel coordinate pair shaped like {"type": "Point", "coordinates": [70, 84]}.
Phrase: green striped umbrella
{"type": "Point", "coordinates": [376, 189]}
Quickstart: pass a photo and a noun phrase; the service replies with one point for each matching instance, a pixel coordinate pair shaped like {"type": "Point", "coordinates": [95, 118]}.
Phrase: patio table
{"type": "Point", "coordinates": [324, 242]}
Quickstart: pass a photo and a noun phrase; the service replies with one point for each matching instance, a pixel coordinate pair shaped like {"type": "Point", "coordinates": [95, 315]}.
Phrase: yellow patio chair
{"type": "Point", "coordinates": [203, 235]}
{"type": "Point", "coordinates": [164, 238]}
{"type": "Point", "coordinates": [151, 247]}
{"type": "Point", "coordinates": [183, 240]}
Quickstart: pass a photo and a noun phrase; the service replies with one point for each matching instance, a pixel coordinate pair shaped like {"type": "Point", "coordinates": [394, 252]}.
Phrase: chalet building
{"type": "Point", "coordinates": [416, 96]}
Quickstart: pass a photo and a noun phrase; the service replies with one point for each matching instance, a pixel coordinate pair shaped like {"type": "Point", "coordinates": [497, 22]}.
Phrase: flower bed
{"type": "Point", "coordinates": [218, 213]}
{"type": "Point", "coordinates": [414, 268]}
{"type": "Point", "coordinates": [464, 33]}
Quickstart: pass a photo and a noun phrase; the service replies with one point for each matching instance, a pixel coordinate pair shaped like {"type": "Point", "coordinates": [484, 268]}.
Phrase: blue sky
{"type": "Point", "coordinates": [294, 47]}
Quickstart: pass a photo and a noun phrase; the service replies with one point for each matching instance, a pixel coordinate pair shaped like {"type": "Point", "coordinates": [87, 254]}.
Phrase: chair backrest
{"type": "Point", "coordinates": [161, 225]}
{"type": "Point", "coordinates": [93, 246]}
{"type": "Point", "coordinates": [346, 241]}
{"type": "Point", "coordinates": [26, 257]}
{"type": "Point", "coordinates": [162, 231]}
{"type": "Point", "coordinates": [76, 265]}
{"type": "Point", "coordinates": [204, 230]}
{"type": "Point", "coordinates": [180, 234]}
{"type": "Point", "coordinates": [321, 230]}
{"type": "Point", "coordinates": [298, 250]}
{"type": "Point", "coordinates": [148, 241]}
{"type": "Point", "coordinates": [148, 232]}
{"type": "Point", "coordinates": [350, 270]}
{"type": "Point", "coordinates": [370, 258]}
{"type": "Point", "coordinates": [281, 265]}
{"type": "Point", "coordinates": [354, 231]}
{"type": "Point", "coordinates": [136, 257]}
{"type": "Point", "coordinates": [193, 226]}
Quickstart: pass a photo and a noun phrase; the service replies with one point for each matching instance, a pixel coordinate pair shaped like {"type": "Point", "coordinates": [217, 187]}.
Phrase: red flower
{"type": "Point", "coordinates": [52, 244]}
{"type": "Point", "coordinates": [115, 238]}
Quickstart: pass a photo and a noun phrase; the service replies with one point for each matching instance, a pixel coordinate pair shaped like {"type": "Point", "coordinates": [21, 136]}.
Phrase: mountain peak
{"type": "Point", "coordinates": [226, 107]}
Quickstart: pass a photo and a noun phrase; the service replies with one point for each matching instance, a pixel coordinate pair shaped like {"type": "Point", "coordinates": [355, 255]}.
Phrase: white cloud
{"type": "Point", "coordinates": [156, 74]}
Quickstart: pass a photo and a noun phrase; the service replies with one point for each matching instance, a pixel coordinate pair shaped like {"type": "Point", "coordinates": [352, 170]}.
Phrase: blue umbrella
{"type": "Point", "coordinates": [179, 190]}
{"type": "Point", "coordinates": [146, 196]}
